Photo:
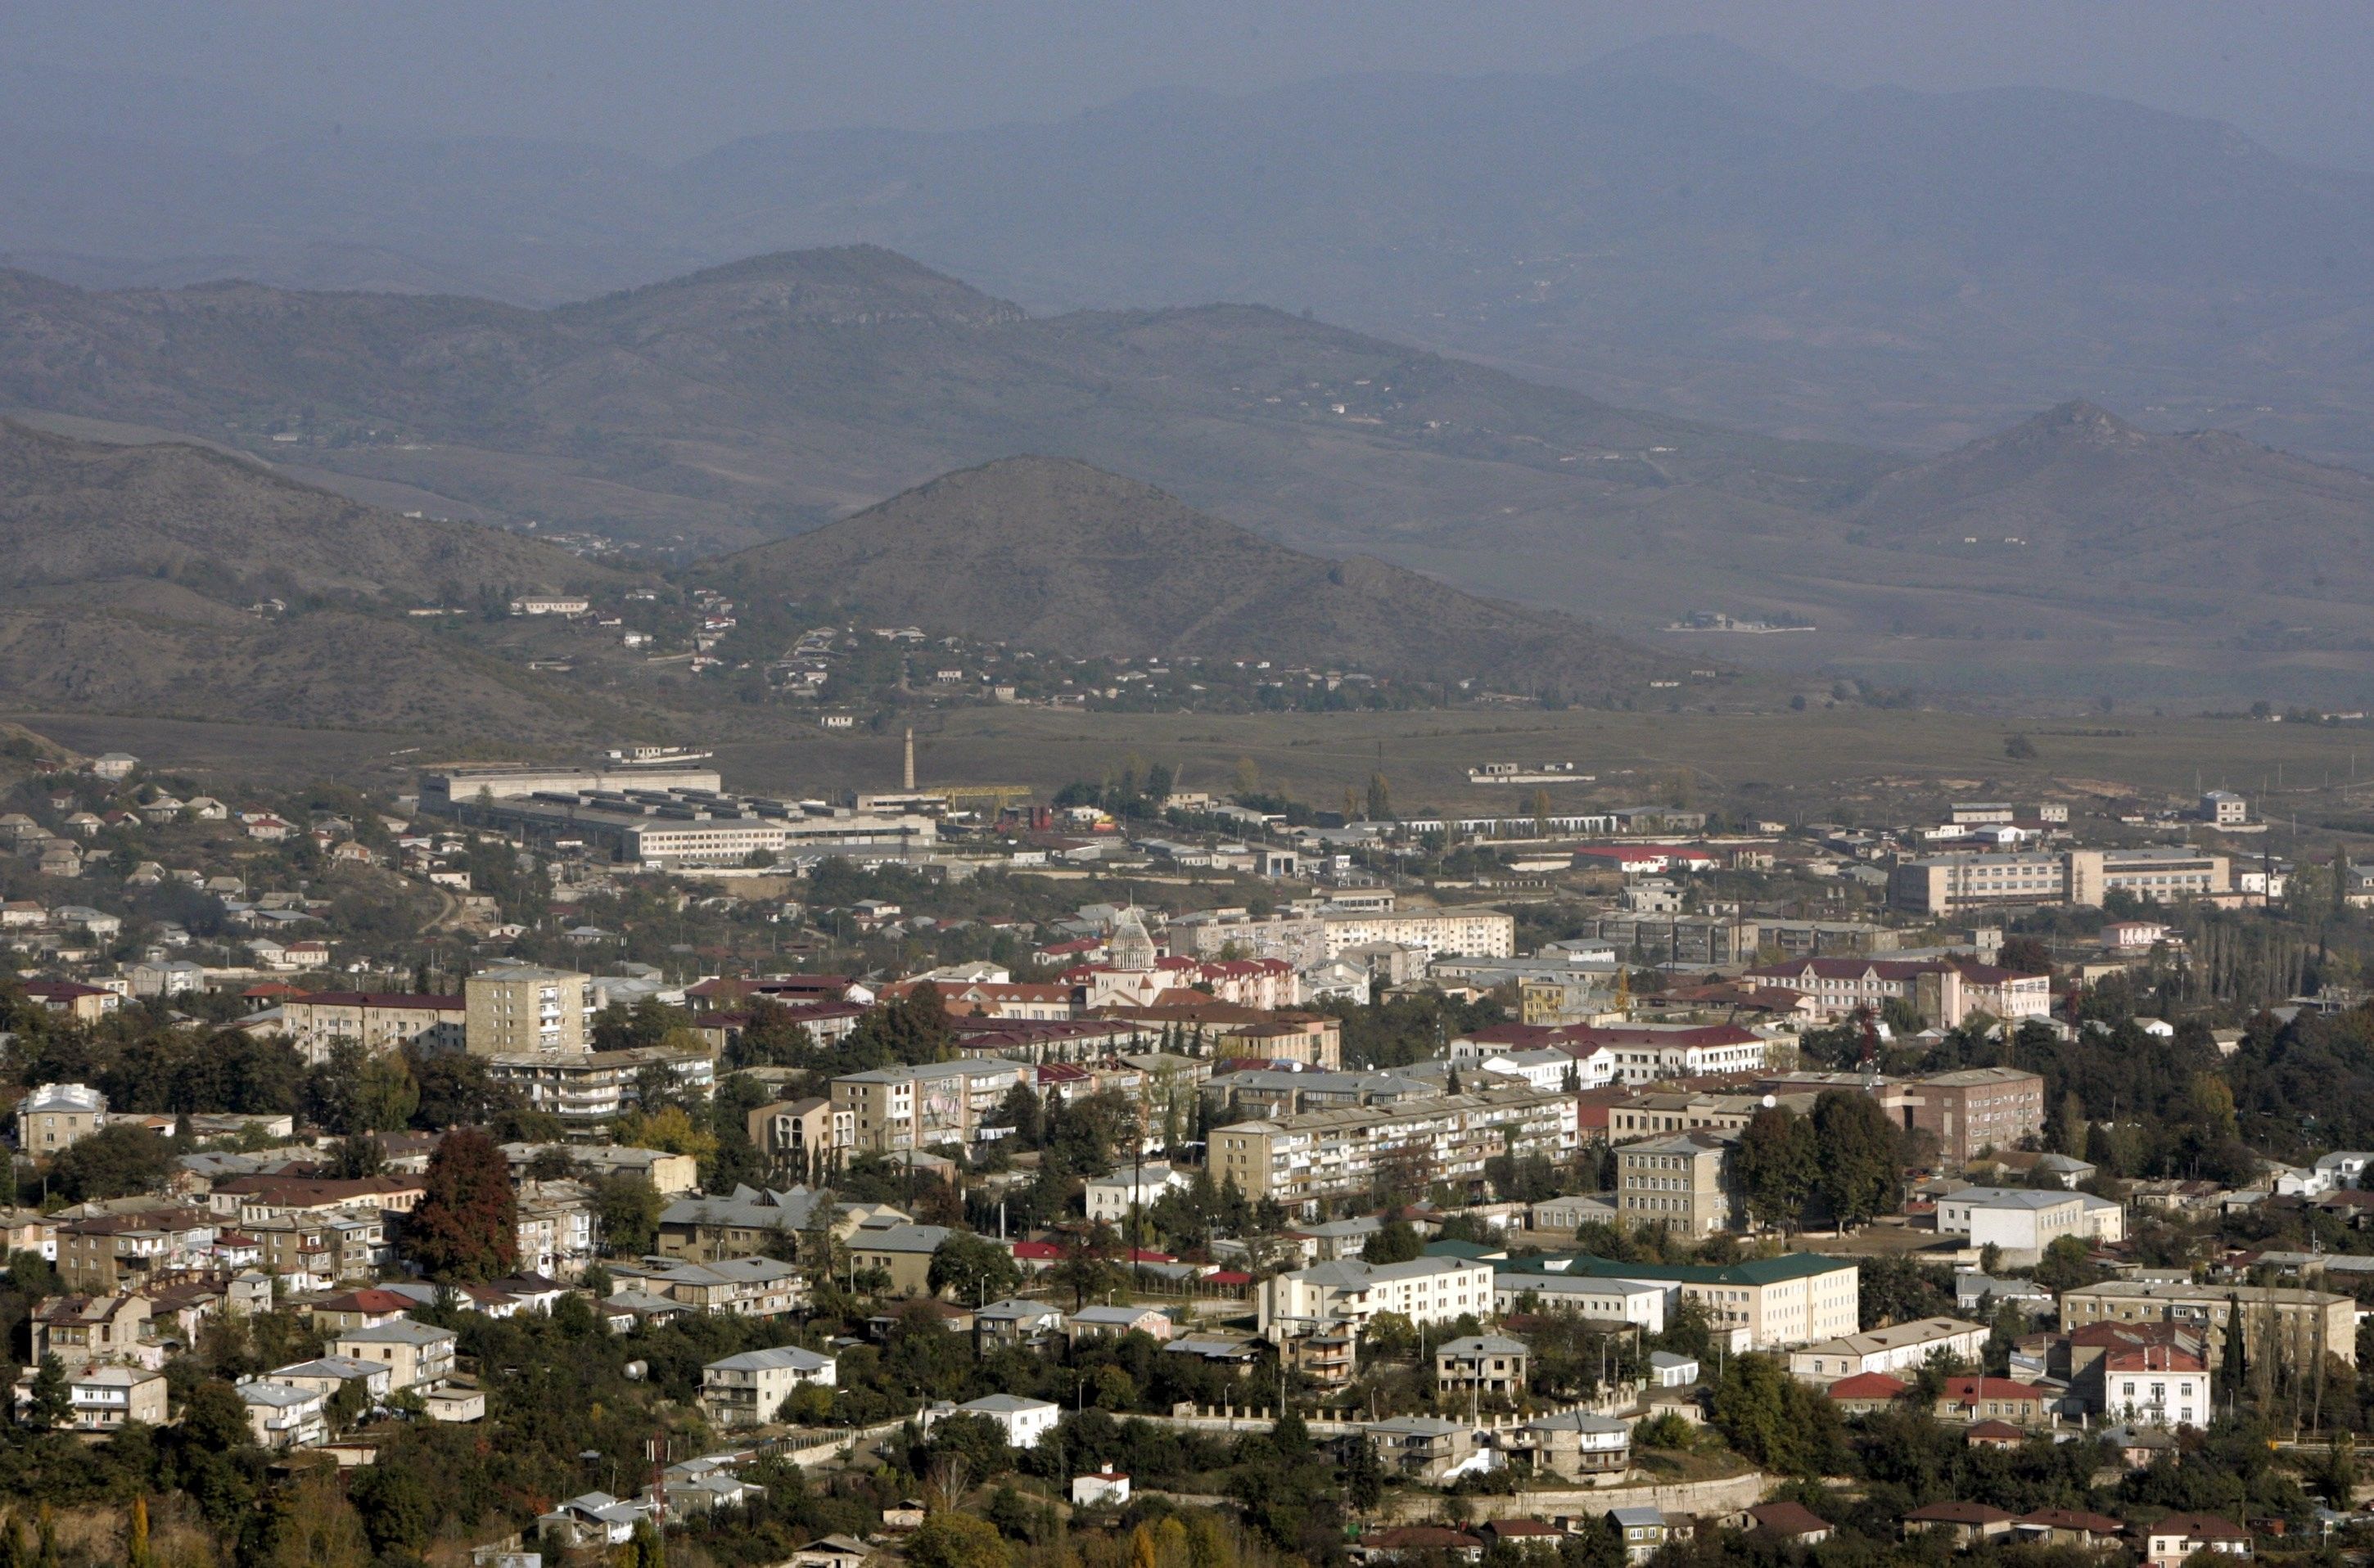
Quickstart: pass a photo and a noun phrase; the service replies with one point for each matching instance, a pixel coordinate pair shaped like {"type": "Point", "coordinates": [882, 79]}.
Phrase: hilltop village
{"type": "Point", "coordinates": [587, 1160]}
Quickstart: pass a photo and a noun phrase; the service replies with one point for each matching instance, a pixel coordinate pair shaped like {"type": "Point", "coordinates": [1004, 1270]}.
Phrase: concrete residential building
{"type": "Point", "coordinates": [1574, 1443]}
{"type": "Point", "coordinates": [1902, 1348]}
{"type": "Point", "coordinates": [2305, 1323]}
{"type": "Point", "coordinates": [1682, 1181]}
{"type": "Point", "coordinates": [103, 1397]}
{"type": "Point", "coordinates": [1348, 1292]}
{"type": "Point", "coordinates": [1405, 1147]}
{"type": "Point", "coordinates": [901, 1251]}
{"type": "Point", "coordinates": [1488, 1363]}
{"type": "Point", "coordinates": [1975, 1109]}
{"type": "Point", "coordinates": [1762, 1304]}
{"type": "Point", "coordinates": [895, 1108]}
{"type": "Point", "coordinates": [749, 1389]}
{"type": "Point", "coordinates": [522, 1011]}
{"type": "Point", "coordinates": [379, 1022]}
{"type": "Point", "coordinates": [417, 1355]}
{"type": "Point", "coordinates": [56, 1116]}
{"type": "Point", "coordinates": [585, 1087]}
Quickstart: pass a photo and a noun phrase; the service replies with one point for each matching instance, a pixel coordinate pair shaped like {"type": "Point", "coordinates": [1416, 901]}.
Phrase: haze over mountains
{"type": "Point", "coordinates": [1680, 225]}
{"type": "Point", "coordinates": [775, 394]}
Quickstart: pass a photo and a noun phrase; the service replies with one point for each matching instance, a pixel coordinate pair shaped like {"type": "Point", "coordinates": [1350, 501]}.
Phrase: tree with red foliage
{"type": "Point", "coordinates": [466, 1227]}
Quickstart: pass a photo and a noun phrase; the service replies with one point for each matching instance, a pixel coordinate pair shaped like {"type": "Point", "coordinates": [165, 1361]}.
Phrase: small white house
{"type": "Point", "coordinates": [1107, 1485]}
{"type": "Point", "coordinates": [1025, 1421]}
{"type": "Point", "coordinates": [1110, 1198]}
{"type": "Point", "coordinates": [1667, 1370]}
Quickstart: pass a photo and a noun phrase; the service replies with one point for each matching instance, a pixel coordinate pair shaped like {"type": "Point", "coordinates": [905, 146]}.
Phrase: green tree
{"type": "Point", "coordinates": [1779, 1161]}
{"type": "Point", "coordinates": [1858, 1159]}
{"type": "Point", "coordinates": [1363, 1477]}
{"type": "Point", "coordinates": [466, 1224]}
{"type": "Point", "coordinates": [971, 1269]}
{"type": "Point", "coordinates": [958, 1540]}
{"type": "Point", "coordinates": [114, 1162]}
{"type": "Point", "coordinates": [627, 1210]}
{"type": "Point", "coordinates": [51, 1403]}
{"type": "Point", "coordinates": [1396, 1241]}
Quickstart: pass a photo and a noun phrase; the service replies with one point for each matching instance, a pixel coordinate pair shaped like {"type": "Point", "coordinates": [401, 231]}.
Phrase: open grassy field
{"type": "Point", "coordinates": [1820, 763]}
{"type": "Point", "coordinates": [1771, 761]}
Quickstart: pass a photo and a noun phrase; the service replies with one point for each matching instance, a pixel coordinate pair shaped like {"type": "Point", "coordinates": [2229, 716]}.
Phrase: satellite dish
{"type": "Point", "coordinates": [1771, 1101]}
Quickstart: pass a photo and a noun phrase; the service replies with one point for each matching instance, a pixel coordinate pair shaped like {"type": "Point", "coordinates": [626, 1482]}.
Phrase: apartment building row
{"type": "Point", "coordinates": [1940, 885]}
{"type": "Point", "coordinates": [1405, 1146]}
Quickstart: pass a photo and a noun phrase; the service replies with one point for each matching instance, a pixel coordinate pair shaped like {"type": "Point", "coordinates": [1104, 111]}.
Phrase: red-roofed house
{"type": "Point", "coordinates": [2167, 1542]}
{"type": "Point", "coordinates": [1995, 1434]}
{"type": "Point", "coordinates": [365, 1308]}
{"type": "Point", "coordinates": [1994, 1399]}
{"type": "Point", "coordinates": [1866, 1392]}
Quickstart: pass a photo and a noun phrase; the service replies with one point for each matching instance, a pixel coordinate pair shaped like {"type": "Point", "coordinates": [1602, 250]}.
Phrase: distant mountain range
{"type": "Point", "coordinates": [1074, 560]}
{"type": "Point", "coordinates": [1682, 225]}
{"type": "Point", "coordinates": [776, 395]}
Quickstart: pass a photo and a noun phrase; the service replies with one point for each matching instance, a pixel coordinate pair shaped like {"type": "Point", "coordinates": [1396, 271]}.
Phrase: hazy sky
{"type": "Point", "coordinates": [669, 80]}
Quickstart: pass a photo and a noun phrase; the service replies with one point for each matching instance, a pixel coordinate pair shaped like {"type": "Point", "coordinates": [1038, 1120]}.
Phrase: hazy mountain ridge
{"type": "Point", "coordinates": [1062, 557]}
{"type": "Point", "coordinates": [1681, 225]}
{"type": "Point", "coordinates": [774, 395]}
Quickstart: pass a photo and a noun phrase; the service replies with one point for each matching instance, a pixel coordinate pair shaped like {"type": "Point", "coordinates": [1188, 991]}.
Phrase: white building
{"type": "Point", "coordinates": [1897, 1350]}
{"type": "Point", "coordinates": [749, 1389]}
{"type": "Point", "coordinates": [1110, 1198]}
{"type": "Point", "coordinates": [2156, 1386]}
{"type": "Point", "coordinates": [1613, 1301]}
{"type": "Point", "coordinates": [2024, 1220]}
{"type": "Point", "coordinates": [1025, 1421]}
{"type": "Point", "coordinates": [1423, 1290]}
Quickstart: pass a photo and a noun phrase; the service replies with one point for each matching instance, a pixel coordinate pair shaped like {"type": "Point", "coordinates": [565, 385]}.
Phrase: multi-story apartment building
{"type": "Point", "coordinates": [587, 1087]}
{"type": "Point", "coordinates": [749, 1389]}
{"type": "Point", "coordinates": [1975, 1109]}
{"type": "Point", "coordinates": [1312, 936]}
{"type": "Point", "coordinates": [417, 1355]}
{"type": "Point", "coordinates": [745, 1287]}
{"type": "Point", "coordinates": [555, 1229]}
{"type": "Point", "coordinates": [56, 1116]}
{"type": "Point", "coordinates": [1682, 1180]}
{"type": "Point", "coordinates": [80, 1330]}
{"type": "Point", "coordinates": [1403, 1147]}
{"type": "Point", "coordinates": [1763, 1303]}
{"type": "Point", "coordinates": [1937, 885]}
{"type": "Point", "coordinates": [2305, 1323]}
{"type": "Point", "coordinates": [894, 1108]}
{"type": "Point", "coordinates": [101, 1254]}
{"type": "Point", "coordinates": [379, 1022]}
{"type": "Point", "coordinates": [1349, 1292]}
{"type": "Point", "coordinates": [512, 1011]}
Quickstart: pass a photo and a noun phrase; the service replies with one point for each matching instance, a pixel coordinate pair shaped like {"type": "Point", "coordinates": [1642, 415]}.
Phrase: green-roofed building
{"type": "Point", "coordinates": [1762, 1302]}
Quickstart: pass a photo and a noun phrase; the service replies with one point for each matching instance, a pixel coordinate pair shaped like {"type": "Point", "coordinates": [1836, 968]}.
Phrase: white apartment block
{"type": "Point", "coordinates": [1349, 1292]}
{"type": "Point", "coordinates": [2157, 1385]}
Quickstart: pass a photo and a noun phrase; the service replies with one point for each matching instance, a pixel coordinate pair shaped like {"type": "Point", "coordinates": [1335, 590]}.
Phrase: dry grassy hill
{"type": "Point", "coordinates": [1060, 556]}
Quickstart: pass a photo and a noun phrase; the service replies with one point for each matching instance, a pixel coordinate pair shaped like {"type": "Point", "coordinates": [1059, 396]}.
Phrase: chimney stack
{"type": "Point", "coordinates": [909, 776]}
